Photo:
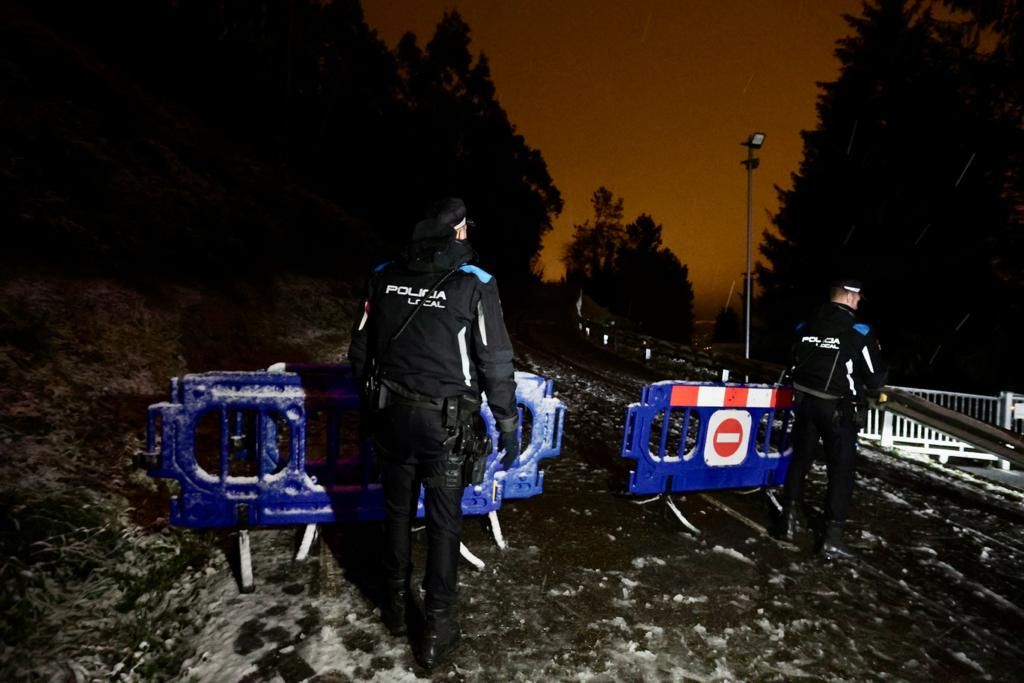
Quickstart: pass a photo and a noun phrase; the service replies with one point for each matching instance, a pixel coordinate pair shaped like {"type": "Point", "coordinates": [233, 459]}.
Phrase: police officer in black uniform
{"type": "Point", "coordinates": [431, 337]}
{"type": "Point", "coordinates": [835, 362]}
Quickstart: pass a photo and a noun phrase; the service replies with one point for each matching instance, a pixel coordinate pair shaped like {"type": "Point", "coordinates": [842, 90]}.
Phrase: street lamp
{"type": "Point", "coordinates": [755, 141]}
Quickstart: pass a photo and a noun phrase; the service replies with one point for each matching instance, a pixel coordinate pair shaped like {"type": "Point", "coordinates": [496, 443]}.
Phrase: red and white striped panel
{"type": "Point", "coordinates": [695, 396]}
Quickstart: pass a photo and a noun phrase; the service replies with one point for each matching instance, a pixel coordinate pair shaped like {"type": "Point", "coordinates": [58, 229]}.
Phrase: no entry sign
{"type": "Point", "coordinates": [728, 436]}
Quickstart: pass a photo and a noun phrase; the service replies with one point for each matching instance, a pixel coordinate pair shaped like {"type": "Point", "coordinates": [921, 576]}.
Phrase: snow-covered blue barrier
{"type": "Point", "coordinates": [284, 446]}
{"type": "Point", "coordinates": [696, 436]}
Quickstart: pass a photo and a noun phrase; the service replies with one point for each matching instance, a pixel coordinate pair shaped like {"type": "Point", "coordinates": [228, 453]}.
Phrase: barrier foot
{"type": "Point", "coordinates": [679, 515]}
{"type": "Point", "coordinates": [245, 562]}
{"type": "Point", "coordinates": [308, 536]}
{"type": "Point", "coordinates": [649, 500]}
{"type": "Point", "coordinates": [492, 516]}
{"type": "Point", "coordinates": [749, 522]}
{"type": "Point", "coordinates": [470, 557]}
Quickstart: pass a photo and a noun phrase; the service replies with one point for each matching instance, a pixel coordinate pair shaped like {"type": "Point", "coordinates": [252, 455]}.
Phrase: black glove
{"type": "Point", "coordinates": [852, 412]}
{"type": "Point", "coordinates": [508, 442]}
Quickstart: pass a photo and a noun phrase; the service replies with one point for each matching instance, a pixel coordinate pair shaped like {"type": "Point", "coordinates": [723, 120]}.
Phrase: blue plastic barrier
{"type": "Point", "coordinates": [696, 436]}
{"type": "Point", "coordinates": [284, 447]}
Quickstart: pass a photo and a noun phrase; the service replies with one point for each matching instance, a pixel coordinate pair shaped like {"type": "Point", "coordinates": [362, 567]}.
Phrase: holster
{"type": "Point", "coordinates": [476, 445]}
{"type": "Point", "coordinates": [853, 411]}
{"type": "Point", "coordinates": [374, 393]}
{"type": "Point", "coordinates": [467, 444]}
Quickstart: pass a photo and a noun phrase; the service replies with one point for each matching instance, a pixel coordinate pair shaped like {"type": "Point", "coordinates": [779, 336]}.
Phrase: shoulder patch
{"type": "Point", "coordinates": [800, 326]}
{"type": "Point", "coordinates": [862, 328]}
{"type": "Point", "coordinates": [382, 266]}
{"type": "Point", "coordinates": [480, 273]}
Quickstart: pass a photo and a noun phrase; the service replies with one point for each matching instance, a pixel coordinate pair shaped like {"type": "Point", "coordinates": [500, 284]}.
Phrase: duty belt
{"type": "Point", "coordinates": [453, 408]}
{"type": "Point", "coordinates": [814, 392]}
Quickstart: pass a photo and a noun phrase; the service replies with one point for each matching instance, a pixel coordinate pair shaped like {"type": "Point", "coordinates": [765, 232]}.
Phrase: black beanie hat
{"type": "Point", "coordinates": [450, 211]}
{"type": "Point", "coordinates": [442, 218]}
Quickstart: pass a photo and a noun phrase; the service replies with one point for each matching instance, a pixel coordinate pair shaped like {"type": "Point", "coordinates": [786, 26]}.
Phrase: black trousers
{"type": "Point", "coordinates": [818, 418]}
{"type": "Point", "coordinates": [409, 446]}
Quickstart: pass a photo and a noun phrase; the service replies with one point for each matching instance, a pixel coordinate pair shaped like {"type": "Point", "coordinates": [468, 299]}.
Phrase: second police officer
{"type": "Point", "coordinates": [835, 362]}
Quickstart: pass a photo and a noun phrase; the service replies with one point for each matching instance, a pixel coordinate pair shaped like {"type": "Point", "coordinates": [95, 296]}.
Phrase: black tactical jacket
{"type": "Point", "coordinates": [836, 356]}
{"type": "Point", "coordinates": [455, 345]}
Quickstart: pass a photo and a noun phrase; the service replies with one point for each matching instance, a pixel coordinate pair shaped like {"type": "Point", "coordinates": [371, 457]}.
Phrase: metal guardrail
{"type": "Point", "coordinates": [910, 422]}
{"type": "Point", "coordinates": [1005, 409]}
{"type": "Point", "coordinates": [642, 347]}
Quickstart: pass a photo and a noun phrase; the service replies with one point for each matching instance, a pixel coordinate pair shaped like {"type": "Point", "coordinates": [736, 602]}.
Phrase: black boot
{"type": "Point", "coordinates": [392, 610]}
{"type": "Point", "coordinates": [832, 545]}
{"type": "Point", "coordinates": [440, 638]}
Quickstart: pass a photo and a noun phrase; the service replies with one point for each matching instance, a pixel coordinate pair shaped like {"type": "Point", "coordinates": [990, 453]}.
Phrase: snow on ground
{"type": "Point", "coordinates": [294, 627]}
{"type": "Point", "coordinates": [596, 588]}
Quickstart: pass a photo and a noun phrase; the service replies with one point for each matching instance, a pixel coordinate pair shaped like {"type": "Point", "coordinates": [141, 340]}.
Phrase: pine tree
{"type": "Point", "coordinates": [464, 145]}
{"type": "Point", "coordinates": [901, 185]}
{"type": "Point", "coordinates": [590, 258]}
{"type": "Point", "coordinates": [626, 269]}
{"type": "Point", "coordinates": [652, 286]}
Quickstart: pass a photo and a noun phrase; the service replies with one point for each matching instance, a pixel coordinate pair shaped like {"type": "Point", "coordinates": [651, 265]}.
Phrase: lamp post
{"type": "Point", "coordinates": [755, 141]}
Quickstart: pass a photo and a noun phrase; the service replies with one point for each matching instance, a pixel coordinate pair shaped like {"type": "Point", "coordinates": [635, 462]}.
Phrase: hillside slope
{"type": "Point", "coordinates": [102, 176]}
{"type": "Point", "coordinates": [85, 539]}
{"type": "Point", "coordinates": [140, 243]}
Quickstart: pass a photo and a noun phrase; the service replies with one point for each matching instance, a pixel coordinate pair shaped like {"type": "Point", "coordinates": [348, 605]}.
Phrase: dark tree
{"type": "Point", "coordinates": [1006, 19]}
{"type": "Point", "coordinates": [902, 184]}
{"type": "Point", "coordinates": [628, 270]}
{"type": "Point", "coordinates": [1000, 73]}
{"type": "Point", "coordinates": [463, 144]}
{"type": "Point", "coordinates": [653, 287]}
{"type": "Point", "coordinates": [590, 258]}
{"type": "Point", "coordinates": [727, 327]}
{"type": "Point", "coordinates": [247, 128]}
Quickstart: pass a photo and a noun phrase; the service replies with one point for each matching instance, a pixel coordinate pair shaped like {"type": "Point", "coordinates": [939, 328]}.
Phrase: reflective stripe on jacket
{"type": "Point", "coordinates": [836, 356]}
{"type": "Point", "coordinates": [455, 344]}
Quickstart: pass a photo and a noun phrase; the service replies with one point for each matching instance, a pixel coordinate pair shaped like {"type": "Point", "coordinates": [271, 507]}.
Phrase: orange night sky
{"type": "Point", "coordinates": [651, 99]}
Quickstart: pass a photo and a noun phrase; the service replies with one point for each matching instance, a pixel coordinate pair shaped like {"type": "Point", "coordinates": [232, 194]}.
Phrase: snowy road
{"type": "Point", "coordinates": [595, 586]}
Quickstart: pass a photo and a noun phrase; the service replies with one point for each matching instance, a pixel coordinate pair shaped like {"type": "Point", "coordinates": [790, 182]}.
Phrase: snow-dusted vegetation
{"type": "Point", "coordinates": [95, 582]}
{"type": "Point", "coordinates": [593, 586]}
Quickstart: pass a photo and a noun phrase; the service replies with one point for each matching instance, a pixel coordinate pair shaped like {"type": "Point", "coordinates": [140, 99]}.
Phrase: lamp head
{"type": "Point", "coordinates": [755, 141]}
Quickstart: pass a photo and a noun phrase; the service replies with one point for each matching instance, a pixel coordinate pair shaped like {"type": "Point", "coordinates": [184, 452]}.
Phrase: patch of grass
{"type": "Point", "coordinates": [74, 566]}
{"type": "Point", "coordinates": [44, 546]}
{"type": "Point", "coordinates": [93, 583]}
{"type": "Point", "coordinates": [194, 550]}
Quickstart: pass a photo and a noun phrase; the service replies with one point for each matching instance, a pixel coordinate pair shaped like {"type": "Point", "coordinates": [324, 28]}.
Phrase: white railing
{"type": "Point", "coordinates": [1005, 410]}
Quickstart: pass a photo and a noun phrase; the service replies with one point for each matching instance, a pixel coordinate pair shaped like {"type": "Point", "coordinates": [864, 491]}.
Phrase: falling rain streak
{"type": "Point", "coordinates": [921, 236]}
{"type": "Point", "coordinates": [963, 172]}
{"type": "Point", "coordinates": [955, 330]}
{"type": "Point", "coordinates": [849, 234]}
